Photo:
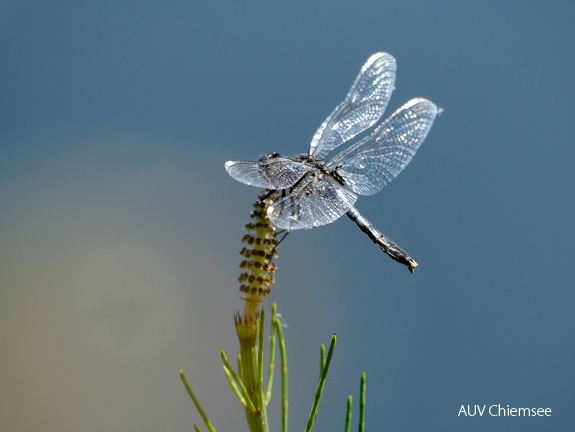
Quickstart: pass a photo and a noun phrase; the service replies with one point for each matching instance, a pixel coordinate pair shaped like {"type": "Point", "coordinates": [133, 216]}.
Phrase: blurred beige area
{"type": "Point", "coordinates": [108, 287]}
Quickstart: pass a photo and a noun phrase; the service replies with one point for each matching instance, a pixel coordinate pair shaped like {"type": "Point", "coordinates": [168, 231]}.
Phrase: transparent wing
{"type": "Point", "coordinates": [267, 172]}
{"type": "Point", "coordinates": [362, 107]}
{"type": "Point", "coordinates": [312, 202]}
{"type": "Point", "coordinates": [373, 162]}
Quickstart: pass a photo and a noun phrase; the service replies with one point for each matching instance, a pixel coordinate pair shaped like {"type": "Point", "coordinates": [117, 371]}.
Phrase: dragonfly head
{"type": "Point", "coordinates": [269, 156]}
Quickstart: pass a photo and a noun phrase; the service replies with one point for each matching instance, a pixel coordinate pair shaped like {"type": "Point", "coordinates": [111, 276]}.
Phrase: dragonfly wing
{"type": "Point", "coordinates": [362, 107]}
{"type": "Point", "coordinates": [267, 172]}
{"type": "Point", "coordinates": [314, 201]}
{"type": "Point", "coordinates": [373, 162]}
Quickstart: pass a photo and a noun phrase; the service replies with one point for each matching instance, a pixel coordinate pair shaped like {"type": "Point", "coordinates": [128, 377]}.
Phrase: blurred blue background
{"type": "Point", "coordinates": [120, 229]}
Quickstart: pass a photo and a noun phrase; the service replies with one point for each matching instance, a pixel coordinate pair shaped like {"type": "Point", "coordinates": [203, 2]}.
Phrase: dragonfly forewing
{"type": "Point", "coordinates": [268, 172]}
{"type": "Point", "coordinates": [362, 107]}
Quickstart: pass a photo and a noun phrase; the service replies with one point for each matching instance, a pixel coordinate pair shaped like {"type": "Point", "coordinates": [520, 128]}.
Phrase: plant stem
{"type": "Point", "coordinates": [362, 402]}
{"type": "Point", "coordinates": [209, 425]}
{"type": "Point", "coordinates": [319, 391]}
{"type": "Point", "coordinates": [348, 415]}
{"type": "Point", "coordinates": [279, 330]}
{"type": "Point", "coordinates": [256, 415]}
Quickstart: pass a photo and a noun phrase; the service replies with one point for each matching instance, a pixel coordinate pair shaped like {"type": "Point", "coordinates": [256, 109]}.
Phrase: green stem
{"type": "Point", "coordinates": [348, 415]}
{"type": "Point", "coordinates": [209, 425]}
{"type": "Point", "coordinates": [272, 353]}
{"type": "Point", "coordinates": [320, 385]}
{"type": "Point", "coordinates": [279, 329]}
{"type": "Point", "coordinates": [362, 402]}
{"type": "Point", "coordinates": [248, 336]}
{"type": "Point", "coordinates": [261, 358]}
{"type": "Point", "coordinates": [234, 385]}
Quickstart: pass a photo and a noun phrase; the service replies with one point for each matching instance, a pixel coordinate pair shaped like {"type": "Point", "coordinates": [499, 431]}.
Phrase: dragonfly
{"type": "Point", "coordinates": [318, 187]}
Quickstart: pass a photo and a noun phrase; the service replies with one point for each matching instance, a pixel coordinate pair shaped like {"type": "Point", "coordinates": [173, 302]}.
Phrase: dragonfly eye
{"type": "Point", "coordinates": [269, 156]}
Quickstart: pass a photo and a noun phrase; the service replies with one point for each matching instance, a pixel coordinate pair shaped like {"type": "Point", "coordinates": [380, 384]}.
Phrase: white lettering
{"type": "Point", "coordinates": [471, 411]}
{"type": "Point", "coordinates": [497, 410]}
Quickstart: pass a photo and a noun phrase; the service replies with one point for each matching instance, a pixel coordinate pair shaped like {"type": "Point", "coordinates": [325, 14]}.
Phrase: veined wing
{"type": "Point", "coordinates": [314, 201]}
{"type": "Point", "coordinates": [362, 107]}
{"type": "Point", "coordinates": [373, 162]}
{"type": "Point", "coordinates": [267, 172]}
